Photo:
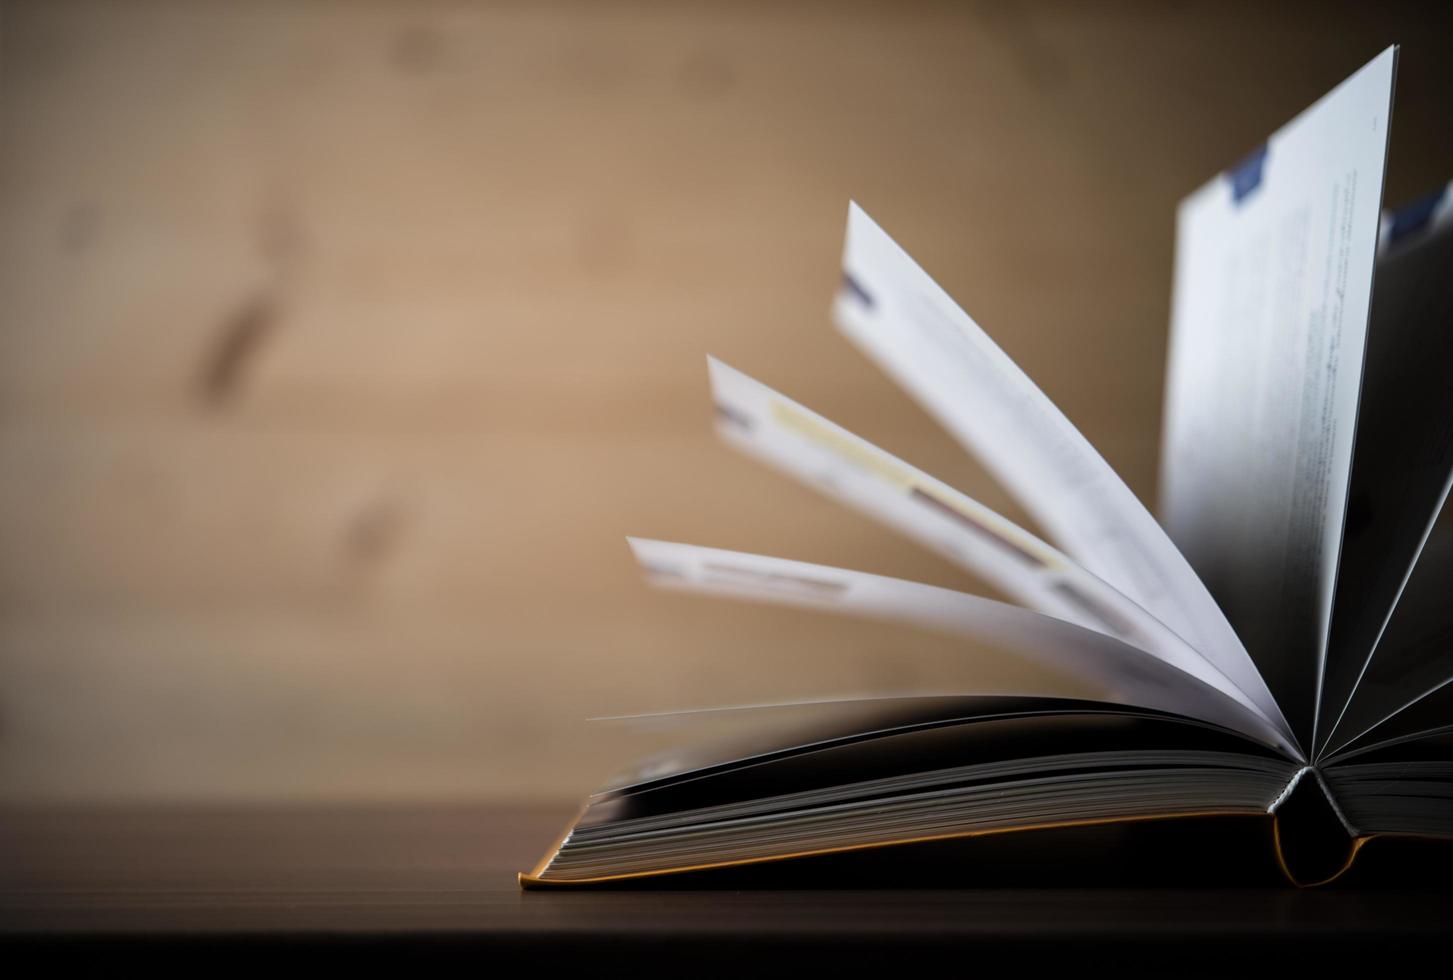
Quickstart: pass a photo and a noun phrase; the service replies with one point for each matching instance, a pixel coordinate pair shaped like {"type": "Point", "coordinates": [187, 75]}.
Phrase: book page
{"type": "Point", "coordinates": [1122, 673]}
{"type": "Point", "coordinates": [902, 319]}
{"type": "Point", "coordinates": [1402, 465]}
{"type": "Point", "coordinates": [791, 438]}
{"type": "Point", "coordinates": [1414, 656]}
{"type": "Point", "coordinates": [1273, 279]}
{"type": "Point", "coordinates": [1429, 715]}
{"type": "Point", "coordinates": [705, 738]}
{"type": "Point", "coordinates": [712, 741]}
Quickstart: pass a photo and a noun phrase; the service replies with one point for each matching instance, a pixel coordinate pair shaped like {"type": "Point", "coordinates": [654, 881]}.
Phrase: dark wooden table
{"type": "Point", "coordinates": [217, 888]}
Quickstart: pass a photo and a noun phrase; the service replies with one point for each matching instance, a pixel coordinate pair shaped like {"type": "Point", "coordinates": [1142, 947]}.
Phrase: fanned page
{"type": "Point", "coordinates": [1402, 466]}
{"type": "Point", "coordinates": [1120, 672]}
{"type": "Point", "coordinates": [1427, 717]}
{"type": "Point", "coordinates": [897, 314]}
{"type": "Point", "coordinates": [1273, 281]}
{"type": "Point", "coordinates": [793, 439]}
{"type": "Point", "coordinates": [1414, 657]}
{"type": "Point", "coordinates": [739, 735]}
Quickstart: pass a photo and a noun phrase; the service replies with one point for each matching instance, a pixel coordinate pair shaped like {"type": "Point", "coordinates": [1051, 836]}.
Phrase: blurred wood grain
{"type": "Point", "coordinates": [342, 343]}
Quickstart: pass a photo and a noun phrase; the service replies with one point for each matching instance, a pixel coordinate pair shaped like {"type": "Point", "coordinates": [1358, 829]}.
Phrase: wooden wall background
{"type": "Point", "coordinates": [341, 344]}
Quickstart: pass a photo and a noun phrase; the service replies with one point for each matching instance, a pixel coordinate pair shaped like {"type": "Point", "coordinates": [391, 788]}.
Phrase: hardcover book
{"type": "Point", "coordinates": [1278, 644]}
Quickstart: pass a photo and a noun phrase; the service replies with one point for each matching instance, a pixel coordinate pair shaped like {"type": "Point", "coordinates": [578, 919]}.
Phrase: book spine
{"type": "Point", "coordinates": [1315, 843]}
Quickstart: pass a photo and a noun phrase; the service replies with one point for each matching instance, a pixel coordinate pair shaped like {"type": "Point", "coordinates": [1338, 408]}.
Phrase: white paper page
{"type": "Point", "coordinates": [1274, 264]}
{"type": "Point", "coordinates": [1430, 713]}
{"type": "Point", "coordinates": [1123, 673]}
{"type": "Point", "coordinates": [1402, 464]}
{"type": "Point", "coordinates": [1407, 226]}
{"type": "Point", "coordinates": [705, 737]}
{"type": "Point", "coordinates": [1414, 655]}
{"type": "Point", "coordinates": [914, 330]}
{"type": "Point", "coordinates": [773, 428]}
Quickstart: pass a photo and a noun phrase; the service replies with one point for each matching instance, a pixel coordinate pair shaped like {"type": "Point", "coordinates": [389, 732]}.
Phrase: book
{"type": "Point", "coordinates": [1277, 645]}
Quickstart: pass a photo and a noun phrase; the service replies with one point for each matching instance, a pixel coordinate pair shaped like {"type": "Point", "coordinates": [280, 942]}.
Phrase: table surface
{"type": "Point", "coordinates": [377, 881]}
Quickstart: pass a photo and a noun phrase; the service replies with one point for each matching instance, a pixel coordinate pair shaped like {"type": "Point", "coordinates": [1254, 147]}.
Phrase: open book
{"type": "Point", "coordinates": [1276, 646]}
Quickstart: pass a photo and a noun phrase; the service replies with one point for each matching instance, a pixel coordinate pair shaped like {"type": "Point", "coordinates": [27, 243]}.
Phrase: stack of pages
{"type": "Point", "coordinates": [1278, 644]}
